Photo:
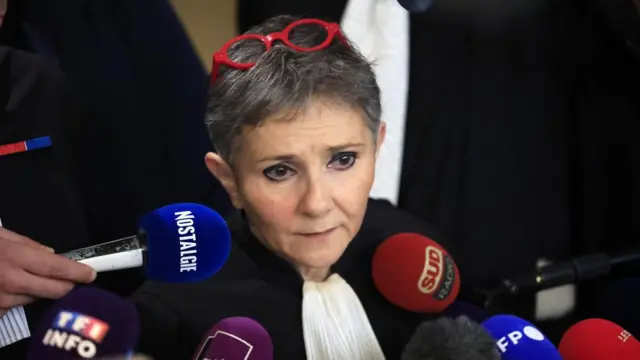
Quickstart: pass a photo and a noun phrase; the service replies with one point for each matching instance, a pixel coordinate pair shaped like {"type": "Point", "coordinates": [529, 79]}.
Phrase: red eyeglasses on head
{"type": "Point", "coordinates": [221, 57]}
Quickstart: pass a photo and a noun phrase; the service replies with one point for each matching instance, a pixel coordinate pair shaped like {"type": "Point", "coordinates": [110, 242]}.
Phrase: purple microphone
{"type": "Point", "coordinates": [236, 338]}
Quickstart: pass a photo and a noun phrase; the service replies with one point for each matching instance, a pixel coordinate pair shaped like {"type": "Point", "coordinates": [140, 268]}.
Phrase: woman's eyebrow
{"type": "Point", "coordinates": [283, 158]}
{"type": "Point", "coordinates": [330, 149]}
{"type": "Point", "coordinates": [336, 148]}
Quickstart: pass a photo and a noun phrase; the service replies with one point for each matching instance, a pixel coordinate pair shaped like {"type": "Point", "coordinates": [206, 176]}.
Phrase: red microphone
{"type": "Point", "coordinates": [598, 339]}
{"type": "Point", "coordinates": [415, 273]}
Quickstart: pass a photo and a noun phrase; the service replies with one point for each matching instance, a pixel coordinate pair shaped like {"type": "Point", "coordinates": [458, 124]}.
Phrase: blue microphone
{"type": "Point", "coordinates": [416, 6]}
{"type": "Point", "coordinates": [85, 324]}
{"type": "Point", "coordinates": [518, 339]}
{"type": "Point", "coordinates": [619, 304]}
{"type": "Point", "coordinates": [176, 243]}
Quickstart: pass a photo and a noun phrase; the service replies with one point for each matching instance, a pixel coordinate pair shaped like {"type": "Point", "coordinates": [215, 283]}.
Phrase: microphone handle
{"type": "Point", "coordinates": [592, 266]}
{"type": "Point", "coordinates": [626, 257]}
{"type": "Point", "coordinates": [569, 272]}
{"type": "Point", "coordinates": [563, 273]}
{"type": "Point", "coordinates": [118, 254]}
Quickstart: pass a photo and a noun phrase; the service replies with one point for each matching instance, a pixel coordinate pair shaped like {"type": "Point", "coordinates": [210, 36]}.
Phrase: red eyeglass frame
{"type": "Point", "coordinates": [221, 58]}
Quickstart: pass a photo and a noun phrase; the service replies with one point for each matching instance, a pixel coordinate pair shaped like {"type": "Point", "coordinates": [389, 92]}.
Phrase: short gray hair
{"type": "Point", "coordinates": [284, 81]}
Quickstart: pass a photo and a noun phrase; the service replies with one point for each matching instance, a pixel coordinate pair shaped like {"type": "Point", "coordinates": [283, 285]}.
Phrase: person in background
{"type": "Point", "coordinates": [294, 114]}
{"type": "Point", "coordinates": [116, 116]}
{"type": "Point", "coordinates": [40, 206]}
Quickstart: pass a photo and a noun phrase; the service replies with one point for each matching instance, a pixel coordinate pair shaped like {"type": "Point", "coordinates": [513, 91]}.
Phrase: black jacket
{"type": "Point", "coordinates": [257, 284]}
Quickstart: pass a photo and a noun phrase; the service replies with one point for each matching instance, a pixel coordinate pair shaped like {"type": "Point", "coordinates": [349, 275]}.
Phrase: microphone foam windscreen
{"type": "Point", "coordinates": [619, 304]}
{"type": "Point", "coordinates": [518, 339]}
{"type": "Point", "coordinates": [185, 242]}
{"type": "Point", "coordinates": [86, 323]}
{"type": "Point", "coordinates": [451, 339]}
{"type": "Point", "coordinates": [415, 273]}
{"type": "Point", "coordinates": [460, 308]}
{"type": "Point", "coordinates": [598, 339]}
{"type": "Point", "coordinates": [236, 338]}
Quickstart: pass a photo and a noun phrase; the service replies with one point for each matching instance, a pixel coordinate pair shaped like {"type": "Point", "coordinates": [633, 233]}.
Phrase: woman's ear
{"type": "Point", "coordinates": [382, 132]}
{"type": "Point", "coordinates": [224, 173]}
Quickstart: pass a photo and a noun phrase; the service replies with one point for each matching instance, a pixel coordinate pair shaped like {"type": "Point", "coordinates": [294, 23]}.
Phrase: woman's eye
{"type": "Point", "coordinates": [278, 172]}
{"type": "Point", "coordinates": [343, 161]}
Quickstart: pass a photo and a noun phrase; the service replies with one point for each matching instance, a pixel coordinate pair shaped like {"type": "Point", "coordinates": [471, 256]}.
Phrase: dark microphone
{"type": "Point", "coordinates": [416, 6]}
{"type": "Point", "coordinates": [236, 338]}
{"type": "Point", "coordinates": [620, 303]}
{"type": "Point", "coordinates": [518, 339]}
{"type": "Point", "coordinates": [85, 324]}
{"type": "Point", "coordinates": [598, 339]}
{"type": "Point", "coordinates": [415, 273]}
{"type": "Point", "coordinates": [461, 308]}
{"type": "Point", "coordinates": [568, 272]}
{"type": "Point", "coordinates": [451, 339]}
{"type": "Point", "coordinates": [176, 243]}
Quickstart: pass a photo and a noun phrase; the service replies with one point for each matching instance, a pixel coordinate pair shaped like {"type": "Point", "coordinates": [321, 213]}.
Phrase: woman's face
{"type": "Point", "coordinates": [304, 184]}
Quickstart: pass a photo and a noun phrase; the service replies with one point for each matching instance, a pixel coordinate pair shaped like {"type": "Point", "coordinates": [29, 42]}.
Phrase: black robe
{"type": "Point", "coordinates": [257, 284]}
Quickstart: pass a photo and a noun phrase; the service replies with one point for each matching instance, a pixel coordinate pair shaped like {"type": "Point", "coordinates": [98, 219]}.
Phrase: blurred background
{"type": "Point", "coordinates": [209, 24]}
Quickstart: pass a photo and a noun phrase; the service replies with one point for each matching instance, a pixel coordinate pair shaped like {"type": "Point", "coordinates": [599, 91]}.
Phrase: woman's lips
{"type": "Point", "coordinates": [318, 235]}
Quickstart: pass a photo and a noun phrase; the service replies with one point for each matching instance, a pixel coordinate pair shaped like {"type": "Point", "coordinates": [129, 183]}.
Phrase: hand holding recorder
{"type": "Point", "coordinates": [29, 270]}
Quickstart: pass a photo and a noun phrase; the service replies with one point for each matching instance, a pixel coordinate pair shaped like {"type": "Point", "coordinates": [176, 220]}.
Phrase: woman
{"type": "Point", "coordinates": [295, 119]}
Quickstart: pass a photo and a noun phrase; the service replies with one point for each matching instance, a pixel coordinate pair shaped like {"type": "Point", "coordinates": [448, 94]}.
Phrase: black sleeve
{"type": "Point", "coordinates": [159, 328]}
{"type": "Point", "coordinates": [15, 351]}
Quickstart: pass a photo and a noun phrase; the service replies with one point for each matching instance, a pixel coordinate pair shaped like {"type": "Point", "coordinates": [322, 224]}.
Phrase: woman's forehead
{"type": "Point", "coordinates": [320, 127]}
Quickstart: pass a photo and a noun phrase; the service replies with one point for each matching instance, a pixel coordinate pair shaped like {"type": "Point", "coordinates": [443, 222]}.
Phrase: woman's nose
{"type": "Point", "coordinates": [317, 200]}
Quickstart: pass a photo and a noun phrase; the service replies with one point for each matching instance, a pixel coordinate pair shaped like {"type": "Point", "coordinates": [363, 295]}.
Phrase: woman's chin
{"type": "Point", "coordinates": [319, 261]}
{"type": "Point", "coordinates": [318, 254]}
